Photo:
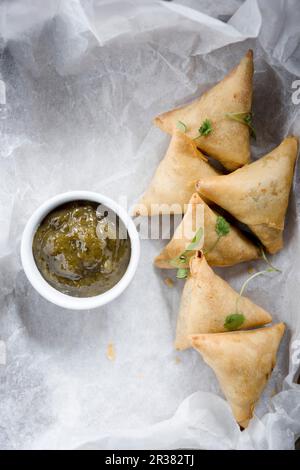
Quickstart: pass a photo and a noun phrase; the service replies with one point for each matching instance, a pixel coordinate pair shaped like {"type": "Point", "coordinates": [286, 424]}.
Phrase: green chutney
{"type": "Point", "coordinates": [82, 248]}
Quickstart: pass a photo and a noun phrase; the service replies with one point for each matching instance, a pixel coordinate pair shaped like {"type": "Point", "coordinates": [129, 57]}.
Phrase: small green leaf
{"type": "Point", "coordinates": [182, 273]}
{"type": "Point", "coordinates": [205, 128]}
{"type": "Point", "coordinates": [234, 321]}
{"type": "Point", "coordinates": [196, 240]}
{"type": "Point", "coordinates": [244, 118]}
{"type": "Point", "coordinates": [178, 261]}
{"type": "Point", "coordinates": [264, 256]}
{"type": "Point", "coordinates": [222, 226]}
{"type": "Point", "coordinates": [181, 126]}
{"type": "Point", "coordinates": [174, 262]}
{"type": "Point", "coordinates": [198, 235]}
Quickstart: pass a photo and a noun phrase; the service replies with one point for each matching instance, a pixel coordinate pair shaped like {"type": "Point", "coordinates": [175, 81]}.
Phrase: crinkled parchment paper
{"type": "Point", "coordinates": [80, 83]}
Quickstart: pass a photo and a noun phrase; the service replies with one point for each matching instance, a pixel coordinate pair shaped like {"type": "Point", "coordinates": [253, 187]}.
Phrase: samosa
{"type": "Point", "coordinates": [226, 250]}
{"type": "Point", "coordinates": [243, 362]}
{"type": "Point", "coordinates": [221, 136]}
{"type": "Point", "coordinates": [258, 194]}
{"type": "Point", "coordinates": [174, 180]}
{"type": "Point", "coordinates": [210, 305]}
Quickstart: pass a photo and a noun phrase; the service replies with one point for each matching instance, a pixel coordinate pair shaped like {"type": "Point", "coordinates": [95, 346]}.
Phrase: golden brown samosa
{"type": "Point", "coordinates": [258, 194]}
{"type": "Point", "coordinates": [226, 251]}
{"type": "Point", "coordinates": [208, 302]}
{"type": "Point", "coordinates": [175, 178]}
{"type": "Point", "coordinates": [243, 362]}
{"type": "Point", "coordinates": [228, 141]}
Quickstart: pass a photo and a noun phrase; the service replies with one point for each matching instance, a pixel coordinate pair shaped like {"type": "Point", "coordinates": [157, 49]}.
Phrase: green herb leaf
{"type": "Point", "coordinates": [185, 256]}
{"type": "Point", "coordinates": [176, 262]}
{"type": "Point", "coordinates": [181, 126]}
{"type": "Point", "coordinates": [182, 273]}
{"type": "Point", "coordinates": [244, 118]}
{"type": "Point", "coordinates": [205, 128]}
{"type": "Point", "coordinates": [234, 321]}
{"type": "Point", "coordinates": [196, 240]}
{"type": "Point", "coordinates": [222, 229]}
{"type": "Point", "coordinates": [264, 256]}
{"type": "Point", "coordinates": [222, 226]}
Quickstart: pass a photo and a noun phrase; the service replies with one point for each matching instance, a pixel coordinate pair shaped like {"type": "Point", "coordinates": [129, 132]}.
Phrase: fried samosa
{"type": "Point", "coordinates": [174, 180]}
{"type": "Point", "coordinates": [219, 251]}
{"type": "Point", "coordinates": [243, 362]}
{"type": "Point", "coordinates": [228, 140]}
{"type": "Point", "coordinates": [258, 194]}
{"type": "Point", "coordinates": [208, 303]}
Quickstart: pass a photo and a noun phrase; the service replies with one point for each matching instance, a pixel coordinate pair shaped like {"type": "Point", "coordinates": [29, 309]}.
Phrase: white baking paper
{"type": "Point", "coordinates": [80, 83]}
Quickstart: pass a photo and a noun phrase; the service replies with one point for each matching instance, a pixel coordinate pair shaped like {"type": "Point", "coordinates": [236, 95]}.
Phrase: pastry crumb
{"type": "Point", "coordinates": [250, 270]}
{"type": "Point", "coordinates": [169, 282]}
{"type": "Point", "coordinates": [110, 352]}
{"type": "Point", "coordinates": [177, 360]}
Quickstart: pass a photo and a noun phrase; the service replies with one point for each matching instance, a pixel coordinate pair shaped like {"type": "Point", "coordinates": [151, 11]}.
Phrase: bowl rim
{"type": "Point", "coordinates": [37, 280]}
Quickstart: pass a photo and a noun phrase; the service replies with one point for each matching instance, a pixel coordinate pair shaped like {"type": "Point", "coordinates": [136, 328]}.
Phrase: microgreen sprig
{"type": "Point", "coordinates": [236, 319]}
{"type": "Point", "coordinates": [182, 273]}
{"type": "Point", "coordinates": [181, 126]}
{"type": "Point", "coordinates": [184, 257]}
{"type": "Point", "coordinates": [205, 129]}
{"type": "Point", "coordinates": [244, 118]}
{"type": "Point", "coordinates": [222, 229]}
{"type": "Point", "coordinates": [195, 240]}
{"type": "Point", "coordinates": [264, 256]}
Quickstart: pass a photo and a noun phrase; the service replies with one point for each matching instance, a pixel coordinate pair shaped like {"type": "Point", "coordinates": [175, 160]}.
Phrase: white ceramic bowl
{"type": "Point", "coordinates": [42, 286]}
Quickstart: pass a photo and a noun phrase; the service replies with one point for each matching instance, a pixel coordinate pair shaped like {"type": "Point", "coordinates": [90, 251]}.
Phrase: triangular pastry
{"type": "Point", "coordinates": [258, 194]}
{"type": "Point", "coordinates": [228, 141]}
{"type": "Point", "coordinates": [208, 302]}
{"type": "Point", "coordinates": [228, 250]}
{"type": "Point", "coordinates": [174, 180]}
{"type": "Point", "coordinates": [243, 362]}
